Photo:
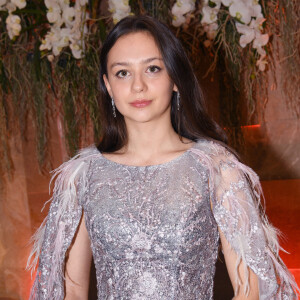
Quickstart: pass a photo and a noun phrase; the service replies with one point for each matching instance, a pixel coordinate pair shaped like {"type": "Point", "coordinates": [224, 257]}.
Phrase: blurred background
{"type": "Point", "coordinates": [247, 59]}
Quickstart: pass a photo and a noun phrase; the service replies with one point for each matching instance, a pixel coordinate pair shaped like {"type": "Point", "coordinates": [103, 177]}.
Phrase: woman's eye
{"type": "Point", "coordinates": [122, 73]}
{"type": "Point", "coordinates": [154, 69]}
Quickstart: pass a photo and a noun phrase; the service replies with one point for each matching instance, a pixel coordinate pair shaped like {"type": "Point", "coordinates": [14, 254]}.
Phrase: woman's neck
{"type": "Point", "coordinates": [151, 138]}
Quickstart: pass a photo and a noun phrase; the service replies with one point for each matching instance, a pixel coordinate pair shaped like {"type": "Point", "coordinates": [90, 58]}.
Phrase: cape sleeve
{"type": "Point", "coordinates": [53, 238]}
{"type": "Point", "coordinates": [235, 196]}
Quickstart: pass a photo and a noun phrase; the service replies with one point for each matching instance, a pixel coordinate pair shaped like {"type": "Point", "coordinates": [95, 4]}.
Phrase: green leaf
{"type": "Point", "coordinates": [102, 30]}
{"type": "Point", "coordinates": [4, 81]}
{"type": "Point", "coordinates": [37, 61]}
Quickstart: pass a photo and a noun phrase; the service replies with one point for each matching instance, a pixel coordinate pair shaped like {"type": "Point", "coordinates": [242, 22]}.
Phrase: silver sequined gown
{"type": "Point", "coordinates": [154, 229]}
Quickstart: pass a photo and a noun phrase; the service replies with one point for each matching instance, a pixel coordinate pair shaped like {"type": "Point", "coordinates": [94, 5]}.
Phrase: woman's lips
{"type": "Point", "coordinates": [141, 103]}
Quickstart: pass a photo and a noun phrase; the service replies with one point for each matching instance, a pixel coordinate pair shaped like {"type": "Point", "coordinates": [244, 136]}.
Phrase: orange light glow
{"type": "Point", "coordinates": [251, 126]}
{"type": "Point", "coordinates": [245, 127]}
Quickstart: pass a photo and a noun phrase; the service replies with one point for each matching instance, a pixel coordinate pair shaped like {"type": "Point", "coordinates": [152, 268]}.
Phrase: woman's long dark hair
{"type": "Point", "coordinates": [191, 120]}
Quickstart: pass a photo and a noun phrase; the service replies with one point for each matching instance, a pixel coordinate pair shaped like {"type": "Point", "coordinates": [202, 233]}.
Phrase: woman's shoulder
{"type": "Point", "coordinates": [77, 165]}
{"type": "Point", "coordinates": [223, 162]}
{"type": "Point", "coordinates": [83, 155]}
{"type": "Point", "coordinates": [214, 150]}
{"type": "Point", "coordinates": [86, 152]}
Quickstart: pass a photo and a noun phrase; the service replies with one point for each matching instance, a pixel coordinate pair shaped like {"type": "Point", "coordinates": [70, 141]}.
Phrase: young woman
{"type": "Point", "coordinates": [152, 201]}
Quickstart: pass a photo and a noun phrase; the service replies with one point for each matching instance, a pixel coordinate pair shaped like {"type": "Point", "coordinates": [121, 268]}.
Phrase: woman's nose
{"type": "Point", "coordinates": [138, 84]}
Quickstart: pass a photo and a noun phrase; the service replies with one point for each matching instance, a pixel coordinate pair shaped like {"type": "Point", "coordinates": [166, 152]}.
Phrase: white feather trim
{"type": "Point", "coordinates": [66, 198]}
{"type": "Point", "coordinates": [238, 209]}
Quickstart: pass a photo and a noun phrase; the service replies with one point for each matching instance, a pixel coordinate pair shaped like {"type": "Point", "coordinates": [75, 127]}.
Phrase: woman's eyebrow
{"type": "Point", "coordinates": [144, 61]}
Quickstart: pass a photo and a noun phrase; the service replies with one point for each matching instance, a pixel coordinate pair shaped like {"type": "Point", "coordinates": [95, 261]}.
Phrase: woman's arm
{"type": "Point", "coordinates": [235, 193]}
{"type": "Point", "coordinates": [57, 232]}
{"type": "Point", "coordinates": [78, 264]}
{"type": "Point", "coordinates": [231, 259]}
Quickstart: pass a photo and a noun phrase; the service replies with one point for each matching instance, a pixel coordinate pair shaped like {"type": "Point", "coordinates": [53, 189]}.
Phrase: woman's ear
{"type": "Point", "coordinates": [107, 85]}
{"type": "Point", "coordinates": [175, 89]}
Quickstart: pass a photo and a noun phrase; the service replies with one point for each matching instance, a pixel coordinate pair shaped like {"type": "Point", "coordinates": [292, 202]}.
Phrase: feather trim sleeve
{"type": "Point", "coordinates": [56, 233]}
{"type": "Point", "coordinates": [235, 196]}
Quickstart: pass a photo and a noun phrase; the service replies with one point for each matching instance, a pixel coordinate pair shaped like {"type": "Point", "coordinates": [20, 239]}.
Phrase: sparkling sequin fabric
{"type": "Point", "coordinates": [154, 229]}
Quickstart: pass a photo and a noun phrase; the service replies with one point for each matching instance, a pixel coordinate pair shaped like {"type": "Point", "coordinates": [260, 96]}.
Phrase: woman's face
{"type": "Point", "coordinates": [137, 78]}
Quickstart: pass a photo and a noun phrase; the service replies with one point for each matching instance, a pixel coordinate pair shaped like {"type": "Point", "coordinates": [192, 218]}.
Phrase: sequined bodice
{"type": "Point", "coordinates": [152, 231]}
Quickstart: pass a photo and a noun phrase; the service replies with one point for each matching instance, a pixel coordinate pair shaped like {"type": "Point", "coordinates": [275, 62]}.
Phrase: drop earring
{"type": "Point", "coordinates": [178, 100]}
{"type": "Point", "coordinates": [113, 107]}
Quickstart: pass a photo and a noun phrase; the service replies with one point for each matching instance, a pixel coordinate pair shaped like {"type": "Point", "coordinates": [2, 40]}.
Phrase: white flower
{"type": "Point", "coordinates": [247, 32]}
{"type": "Point", "coordinates": [56, 49]}
{"type": "Point", "coordinates": [65, 36]}
{"type": "Point", "coordinates": [67, 29]}
{"type": "Point", "coordinates": [46, 44]}
{"type": "Point", "coordinates": [180, 10]}
{"type": "Point", "coordinates": [19, 3]}
{"type": "Point", "coordinates": [2, 3]}
{"type": "Point", "coordinates": [178, 20]}
{"type": "Point", "coordinates": [76, 50]}
{"type": "Point", "coordinates": [50, 57]}
{"type": "Point", "coordinates": [252, 32]}
{"type": "Point", "coordinates": [51, 3]}
{"type": "Point", "coordinates": [13, 25]}
{"type": "Point", "coordinates": [64, 3]}
{"type": "Point", "coordinates": [182, 7]}
{"type": "Point", "coordinates": [119, 15]}
{"type": "Point", "coordinates": [76, 25]}
{"type": "Point", "coordinates": [51, 38]}
{"type": "Point", "coordinates": [246, 38]}
{"type": "Point", "coordinates": [209, 15]}
{"type": "Point", "coordinates": [54, 11]}
{"type": "Point", "coordinates": [58, 23]}
{"type": "Point", "coordinates": [56, 40]}
{"type": "Point", "coordinates": [227, 2]}
{"type": "Point", "coordinates": [256, 11]}
{"type": "Point", "coordinates": [68, 15]}
{"type": "Point", "coordinates": [261, 63]}
{"type": "Point", "coordinates": [256, 24]}
{"type": "Point", "coordinates": [118, 5]}
{"type": "Point", "coordinates": [119, 9]}
{"type": "Point", "coordinates": [260, 41]}
{"type": "Point", "coordinates": [241, 11]}
{"type": "Point", "coordinates": [11, 7]}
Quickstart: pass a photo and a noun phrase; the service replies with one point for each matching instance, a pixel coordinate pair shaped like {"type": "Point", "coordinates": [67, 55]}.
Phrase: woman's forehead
{"type": "Point", "coordinates": [137, 47]}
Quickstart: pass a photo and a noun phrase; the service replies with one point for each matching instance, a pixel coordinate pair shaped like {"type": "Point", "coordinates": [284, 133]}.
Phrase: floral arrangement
{"type": "Point", "coordinates": [68, 27]}
{"type": "Point", "coordinates": [119, 9]}
{"type": "Point", "coordinates": [12, 21]}
{"type": "Point", "coordinates": [181, 12]}
{"type": "Point", "coordinates": [52, 47]}
{"type": "Point", "coordinates": [247, 15]}
{"type": "Point", "coordinates": [68, 22]}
